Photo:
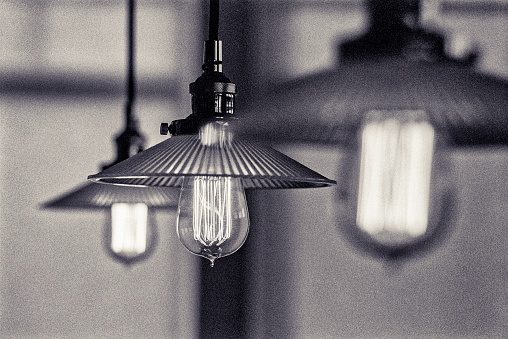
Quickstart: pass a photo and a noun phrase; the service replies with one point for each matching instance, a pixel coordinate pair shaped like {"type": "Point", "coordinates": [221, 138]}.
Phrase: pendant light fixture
{"type": "Point", "coordinates": [210, 165]}
{"type": "Point", "coordinates": [130, 231]}
{"type": "Point", "coordinates": [395, 105]}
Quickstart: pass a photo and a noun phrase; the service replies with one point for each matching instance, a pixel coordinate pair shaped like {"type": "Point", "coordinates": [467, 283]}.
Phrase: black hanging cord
{"type": "Point", "coordinates": [213, 24]}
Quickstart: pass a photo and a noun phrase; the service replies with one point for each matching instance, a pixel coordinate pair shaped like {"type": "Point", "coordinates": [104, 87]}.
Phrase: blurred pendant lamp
{"type": "Point", "coordinates": [394, 106]}
{"type": "Point", "coordinates": [211, 166]}
{"type": "Point", "coordinates": [130, 233]}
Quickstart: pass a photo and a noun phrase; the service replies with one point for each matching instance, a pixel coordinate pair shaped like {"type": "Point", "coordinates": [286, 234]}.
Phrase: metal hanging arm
{"type": "Point", "coordinates": [213, 24]}
{"type": "Point", "coordinates": [212, 56]}
{"type": "Point", "coordinates": [130, 141]}
{"type": "Point", "coordinates": [131, 89]}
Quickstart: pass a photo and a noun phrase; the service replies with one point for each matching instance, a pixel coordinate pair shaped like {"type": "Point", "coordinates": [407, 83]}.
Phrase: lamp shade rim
{"type": "Point", "coordinates": [167, 163]}
{"type": "Point", "coordinates": [127, 181]}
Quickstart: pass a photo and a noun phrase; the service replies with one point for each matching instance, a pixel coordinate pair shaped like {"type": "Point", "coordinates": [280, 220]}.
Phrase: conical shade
{"type": "Point", "coordinates": [166, 163]}
{"type": "Point", "coordinates": [468, 107]}
{"type": "Point", "coordinates": [92, 195]}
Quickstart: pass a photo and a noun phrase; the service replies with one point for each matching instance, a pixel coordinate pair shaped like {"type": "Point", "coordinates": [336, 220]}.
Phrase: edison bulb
{"type": "Point", "coordinates": [400, 193]}
{"type": "Point", "coordinates": [395, 173]}
{"type": "Point", "coordinates": [129, 235]}
{"type": "Point", "coordinates": [212, 219]}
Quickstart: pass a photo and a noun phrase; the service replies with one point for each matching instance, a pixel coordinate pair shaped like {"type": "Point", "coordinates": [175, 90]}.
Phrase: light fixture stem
{"type": "Point", "coordinates": [130, 141]}
{"type": "Point", "coordinates": [212, 56]}
{"type": "Point", "coordinates": [131, 90]}
{"type": "Point", "coordinates": [213, 94]}
{"type": "Point", "coordinates": [213, 24]}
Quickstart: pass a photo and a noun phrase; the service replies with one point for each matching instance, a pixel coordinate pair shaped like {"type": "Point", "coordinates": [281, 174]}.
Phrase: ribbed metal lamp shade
{"type": "Point", "coordinates": [167, 163]}
{"type": "Point", "coordinates": [95, 196]}
{"type": "Point", "coordinates": [466, 107]}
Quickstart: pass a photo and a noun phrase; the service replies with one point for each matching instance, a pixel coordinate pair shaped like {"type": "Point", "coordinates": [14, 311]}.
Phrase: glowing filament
{"type": "Point", "coordinates": [395, 173]}
{"type": "Point", "coordinates": [212, 217]}
{"type": "Point", "coordinates": [129, 228]}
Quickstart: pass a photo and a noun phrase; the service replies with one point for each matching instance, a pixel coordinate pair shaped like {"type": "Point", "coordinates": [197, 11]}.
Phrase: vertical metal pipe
{"type": "Point", "coordinates": [213, 24]}
{"type": "Point", "coordinates": [131, 90]}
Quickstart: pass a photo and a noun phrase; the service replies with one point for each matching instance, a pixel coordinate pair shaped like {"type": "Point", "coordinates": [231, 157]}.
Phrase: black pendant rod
{"type": "Point", "coordinates": [130, 141]}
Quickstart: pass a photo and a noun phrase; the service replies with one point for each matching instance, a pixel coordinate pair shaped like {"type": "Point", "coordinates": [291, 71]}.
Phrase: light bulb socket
{"type": "Point", "coordinates": [213, 95]}
{"type": "Point", "coordinates": [130, 141]}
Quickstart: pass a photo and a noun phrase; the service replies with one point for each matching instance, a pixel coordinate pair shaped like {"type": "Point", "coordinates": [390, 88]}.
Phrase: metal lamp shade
{"type": "Point", "coordinates": [167, 163]}
{"type": "Point", "coordinates": [466, 107]}
{"type": "Point", "coordinates": [94, 196]}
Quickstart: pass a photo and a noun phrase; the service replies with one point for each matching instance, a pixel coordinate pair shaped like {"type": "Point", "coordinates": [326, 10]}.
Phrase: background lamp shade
{"type": "Point", "coordinates": [394, 65]}
{"type": "Point", "coordinates": [92, 196]}
{"type": "Point", "coordinates": [130, 230]}
{"type": "Point", "coordinates": [466, 107]}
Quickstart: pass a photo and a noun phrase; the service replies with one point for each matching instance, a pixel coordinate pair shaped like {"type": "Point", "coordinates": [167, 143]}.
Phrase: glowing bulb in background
{"type": "Point", "coordinates": [395, 174]}
{"type": "Point", "coordinates": [212, 217]}
{"type": "Point", "coordinates": [396, 194]}
{"type": "Point", "coordinates": [129, 237]}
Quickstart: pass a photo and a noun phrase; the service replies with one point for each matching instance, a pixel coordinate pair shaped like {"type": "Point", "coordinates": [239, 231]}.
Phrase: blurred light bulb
{"type": "Point", "coordinates": [395, 172]}
{"type": "Point", "coordinates": [212, 217]}
{"type": "Point", "coordinates": [397, 189]}
{"type": "Point", "coordinates": [129, 236]}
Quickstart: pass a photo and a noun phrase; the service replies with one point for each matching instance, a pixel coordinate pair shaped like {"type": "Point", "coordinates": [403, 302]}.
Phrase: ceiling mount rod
{"type": "Point", "coordinates": [131, 88]}
{"type": "Point", "coordinates": [130, 141]}
{"type": "Point", "coordinates": [212, 57]}
{"type": "Point", "coordinates": [213, 25]}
